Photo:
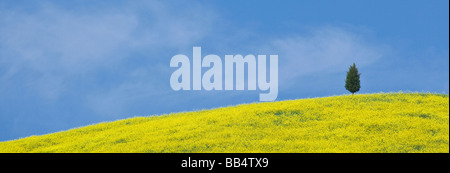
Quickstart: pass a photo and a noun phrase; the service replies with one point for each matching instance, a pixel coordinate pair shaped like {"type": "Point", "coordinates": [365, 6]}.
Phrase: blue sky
{"type": "Point", "coordinates": [65, 64]}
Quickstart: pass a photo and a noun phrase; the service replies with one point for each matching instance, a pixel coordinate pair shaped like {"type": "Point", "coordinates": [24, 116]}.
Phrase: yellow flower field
{"type": "Point", "coordinates": [374, 123]}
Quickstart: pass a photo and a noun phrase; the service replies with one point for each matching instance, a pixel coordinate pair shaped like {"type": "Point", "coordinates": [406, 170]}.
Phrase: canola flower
{"type": "Point", "coordinates": [364, 123]}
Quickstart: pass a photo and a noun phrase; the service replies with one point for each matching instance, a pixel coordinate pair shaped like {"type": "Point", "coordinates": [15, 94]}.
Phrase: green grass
{"type": "Point", "coordinates": [394, 122]}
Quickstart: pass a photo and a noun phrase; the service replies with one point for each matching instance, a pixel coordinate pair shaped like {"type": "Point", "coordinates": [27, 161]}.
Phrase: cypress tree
{"type": "Point", "coordinates": [352, 82]}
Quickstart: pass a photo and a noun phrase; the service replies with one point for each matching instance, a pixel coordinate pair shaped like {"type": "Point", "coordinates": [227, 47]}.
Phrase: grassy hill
{"type": "Point", "coordinates": [396, 122]}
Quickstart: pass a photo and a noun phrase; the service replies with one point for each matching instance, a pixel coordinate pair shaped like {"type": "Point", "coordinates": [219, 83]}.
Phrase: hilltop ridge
{"type": "Point", "coordinates": [393, 122]}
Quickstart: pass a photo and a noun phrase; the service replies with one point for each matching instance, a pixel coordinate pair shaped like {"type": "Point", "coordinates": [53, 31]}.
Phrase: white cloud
{"type": "Point", "coordinates": [324, 50]}
{"type": "Point", "coordinates": [54, 44]}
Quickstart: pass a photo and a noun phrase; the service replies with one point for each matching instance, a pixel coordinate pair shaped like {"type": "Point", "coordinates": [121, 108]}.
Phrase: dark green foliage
{"type": "Point", "coordinates": [352, 82]}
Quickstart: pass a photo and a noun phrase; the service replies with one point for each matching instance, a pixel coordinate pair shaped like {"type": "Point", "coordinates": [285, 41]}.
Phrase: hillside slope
{"type": "Point", "coordinates": [395, 122]}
